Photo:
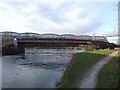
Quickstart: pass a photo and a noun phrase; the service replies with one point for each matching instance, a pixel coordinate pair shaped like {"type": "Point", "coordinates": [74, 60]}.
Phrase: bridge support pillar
{"type": "Point", "coordinates": [20, 49]}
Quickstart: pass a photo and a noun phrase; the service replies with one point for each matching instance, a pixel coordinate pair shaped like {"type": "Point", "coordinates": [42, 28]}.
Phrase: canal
{"type": "Point", "coordinates": [37, 68]}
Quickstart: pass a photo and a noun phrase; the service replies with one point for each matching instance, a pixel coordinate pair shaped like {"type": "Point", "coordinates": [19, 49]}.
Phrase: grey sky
{"type": "Point", "coordinates": [53, 17]}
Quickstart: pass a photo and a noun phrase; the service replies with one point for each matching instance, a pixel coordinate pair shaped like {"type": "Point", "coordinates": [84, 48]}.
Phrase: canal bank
{"type": "Point", "coordinates": [79, 65]}
{"type": "Point", "coordinates": [91, 77]}
{"type": "Point", "coordinates": [110, 74]}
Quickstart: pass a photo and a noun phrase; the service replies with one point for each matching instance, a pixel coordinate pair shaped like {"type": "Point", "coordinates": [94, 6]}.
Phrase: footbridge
{"type": "Point", "coordinates": [62, 43]}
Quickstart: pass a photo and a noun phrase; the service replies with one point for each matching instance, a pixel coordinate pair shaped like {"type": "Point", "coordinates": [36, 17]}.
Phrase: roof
{"type": "Point", "coordinates": [67, 35]}
{"type": "Point", "coordinates": [50, 34]}
{"type": "Point", "coordinates": [30, 33]}
{"type": "Point", "coordinates": [10, 32]}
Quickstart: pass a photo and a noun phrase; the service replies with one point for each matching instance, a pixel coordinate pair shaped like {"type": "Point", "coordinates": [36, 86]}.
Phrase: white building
{"type": "Point", "coordinates": [114, 39]}
{"type": "Point", "coordinates": [84, 37]}
{"type": "Point", "coordinates": [100, 38]}
{"type": "Point", "coordinates": [53, 36]}
{"type": "Point", "coordinates": [68, 36]}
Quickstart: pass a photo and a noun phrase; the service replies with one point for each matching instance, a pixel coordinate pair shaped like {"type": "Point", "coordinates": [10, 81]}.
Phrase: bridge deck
{"type": "Point", "coordinates": [62, 43]}
{"type": "Point", "coordinates": [53, 41]}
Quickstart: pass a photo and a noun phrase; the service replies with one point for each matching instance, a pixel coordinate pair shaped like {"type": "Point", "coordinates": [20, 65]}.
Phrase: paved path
{"type": "Point", "coordinates": [90, 79]}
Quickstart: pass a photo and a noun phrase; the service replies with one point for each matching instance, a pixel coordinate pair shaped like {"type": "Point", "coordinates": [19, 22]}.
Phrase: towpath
{"type": "Point", "coordinates": [90, 79]}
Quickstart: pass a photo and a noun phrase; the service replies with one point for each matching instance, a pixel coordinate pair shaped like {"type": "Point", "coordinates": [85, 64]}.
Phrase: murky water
{"type": "Point", "coordinates": [38, 68]}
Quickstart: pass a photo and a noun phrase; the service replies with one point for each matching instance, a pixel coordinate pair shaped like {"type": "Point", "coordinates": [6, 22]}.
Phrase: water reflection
{"type": "Point", "coordinates": [41, 68]}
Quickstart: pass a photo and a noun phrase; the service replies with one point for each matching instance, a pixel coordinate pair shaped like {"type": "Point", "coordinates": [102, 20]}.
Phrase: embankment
{"type": "Point", "coordinates": [80, 63]}
{"type": "Point", "coordinates": [110, 74]}
{"type": "Point", "coordinates": [12, 50]}
{"type": "Point", "coordinates": [9, 51]}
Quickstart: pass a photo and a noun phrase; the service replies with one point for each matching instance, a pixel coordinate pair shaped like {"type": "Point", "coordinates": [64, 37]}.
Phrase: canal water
{"type": "Point", "coordinates": [37, 68]}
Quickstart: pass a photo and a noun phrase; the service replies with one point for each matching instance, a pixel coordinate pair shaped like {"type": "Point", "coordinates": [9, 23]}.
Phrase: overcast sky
{"type": "Point", "coordinates": [59, 16]}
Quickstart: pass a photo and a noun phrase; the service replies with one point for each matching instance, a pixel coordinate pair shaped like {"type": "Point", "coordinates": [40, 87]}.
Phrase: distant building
{"type": "Point", "coordinates": [50, 35]}
{"type": "Point", "coordinates": [100, 38]}
{"type": "Point", "coordinates": [68, 36]}
{"type": "Point", "coordinates": [29, 35]}
{"type": "Point", "coordinates": [10, 34]}
{"type": "Point", "coordinates": [84, 37]}
{"type": "Point", "coordinates": [113, 39]}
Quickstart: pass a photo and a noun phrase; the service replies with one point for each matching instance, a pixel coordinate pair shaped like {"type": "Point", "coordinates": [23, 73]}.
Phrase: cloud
{"type": "Point", "coordinates": [10, 20]}
{"type": "Point", "coordinates": [107, 31]}
{"type": "Point", "coordinates": [59, 1]}
{"type": "Point", "coordinates": [80, 20]}
{"type": "Point", "coordinates": [50, 17]}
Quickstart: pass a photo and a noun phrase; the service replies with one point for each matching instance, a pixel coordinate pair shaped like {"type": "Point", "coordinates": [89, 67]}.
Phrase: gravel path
{"type": "Point", "coordinates": [90, 79]}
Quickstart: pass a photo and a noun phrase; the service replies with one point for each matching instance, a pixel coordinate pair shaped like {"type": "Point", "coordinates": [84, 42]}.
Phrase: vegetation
{"type": "Point", "coordinates": [79, 64]}
{"type": "Point", "coordinates": [7, 45]}
{"type": "Point", "coordinates": [7, 40]}
{"type": "Point", "coordinates": [109, 75]}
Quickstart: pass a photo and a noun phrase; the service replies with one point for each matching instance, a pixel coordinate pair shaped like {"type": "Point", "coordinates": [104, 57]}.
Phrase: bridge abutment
{"type": "Point", "coordinates": [20, 49]}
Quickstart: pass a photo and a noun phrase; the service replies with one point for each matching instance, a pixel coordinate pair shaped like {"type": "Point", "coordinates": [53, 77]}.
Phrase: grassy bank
{"type": "Point", "coordinates": [79, 64]}
{"type": "Point", "coordinates": [108, 76]}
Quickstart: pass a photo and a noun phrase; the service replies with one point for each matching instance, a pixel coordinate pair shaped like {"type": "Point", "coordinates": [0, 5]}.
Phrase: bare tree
{"type": "Point", "coordinates": [7, 39]}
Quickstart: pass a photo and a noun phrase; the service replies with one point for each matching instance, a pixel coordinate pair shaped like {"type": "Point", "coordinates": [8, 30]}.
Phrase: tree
{"type": "Point", "coordinates": [7, 39]}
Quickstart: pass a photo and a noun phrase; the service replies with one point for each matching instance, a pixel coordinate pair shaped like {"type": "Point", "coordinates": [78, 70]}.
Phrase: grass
{"type": "Point", "coordinates": [79, 64]}
{"type": "Point", "coordinates": [108, 76]}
